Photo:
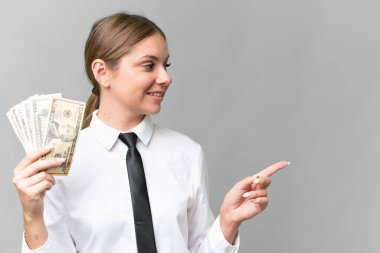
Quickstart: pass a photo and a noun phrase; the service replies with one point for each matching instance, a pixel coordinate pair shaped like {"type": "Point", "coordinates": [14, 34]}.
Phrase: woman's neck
{"type": "Point", "coordinates": [121, 120]}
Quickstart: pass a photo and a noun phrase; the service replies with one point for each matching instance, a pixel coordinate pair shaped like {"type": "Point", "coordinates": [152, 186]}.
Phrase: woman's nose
{"type": "Point", "coordinates": [164, 78]}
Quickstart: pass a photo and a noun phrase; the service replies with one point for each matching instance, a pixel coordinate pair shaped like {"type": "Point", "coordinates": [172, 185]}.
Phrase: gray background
{"type": "Point", "coordinates": [272, 80]}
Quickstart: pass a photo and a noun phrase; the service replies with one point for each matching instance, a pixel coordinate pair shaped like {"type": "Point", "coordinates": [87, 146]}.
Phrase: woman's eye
{"type": "Point", "coordinates": [167, 65]}
{"type": "Point", "coordinates": [149, 67]}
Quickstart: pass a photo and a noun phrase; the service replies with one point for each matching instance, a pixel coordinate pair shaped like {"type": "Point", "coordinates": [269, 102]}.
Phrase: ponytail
{"type": "Point", "coordinates": [91, 105]}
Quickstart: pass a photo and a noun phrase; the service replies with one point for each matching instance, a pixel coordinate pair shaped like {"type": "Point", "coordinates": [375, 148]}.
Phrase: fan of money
{"type": "Point", "coordinates": [43, 120]}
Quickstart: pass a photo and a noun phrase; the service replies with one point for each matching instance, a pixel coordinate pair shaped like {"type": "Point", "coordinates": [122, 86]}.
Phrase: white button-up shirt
{"type": "Point", "coordinates": [90, 210]}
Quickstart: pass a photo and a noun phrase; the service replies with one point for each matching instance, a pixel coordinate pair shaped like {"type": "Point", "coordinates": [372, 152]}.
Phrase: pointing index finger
{"type": "Point", "coordinates": [269, 171]}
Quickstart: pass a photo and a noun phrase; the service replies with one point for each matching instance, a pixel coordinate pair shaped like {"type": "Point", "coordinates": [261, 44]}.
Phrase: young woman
{"type": "Point", "coordinates": [91, 210]}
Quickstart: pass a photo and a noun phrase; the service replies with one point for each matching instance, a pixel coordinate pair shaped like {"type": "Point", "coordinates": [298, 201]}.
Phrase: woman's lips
{"type": "Point", "coordinates": [156, 94]}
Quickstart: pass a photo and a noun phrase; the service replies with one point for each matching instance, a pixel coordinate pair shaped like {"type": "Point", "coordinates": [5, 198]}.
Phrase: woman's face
{"type": "Point", "coordinates": [140, 81]}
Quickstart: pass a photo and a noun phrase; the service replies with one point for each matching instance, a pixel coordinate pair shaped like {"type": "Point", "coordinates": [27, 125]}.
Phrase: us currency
{"type": "Point", "coordinates": [29, 117]}
{"type": "Point", "coordinates": [20, 123]}
{"type": "Point", "coordinates": [64, 124]}
{"type": "Point", "coordinates": [40, 108]}
{"type": "Point", "coordinates": [24, 113]}
{"type": "Point", "coordinates": [35, 117]}
{"type": "Point", "coordinates": [16, 129]}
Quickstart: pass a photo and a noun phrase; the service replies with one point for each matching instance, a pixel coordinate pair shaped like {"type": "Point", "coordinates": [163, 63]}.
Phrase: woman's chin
{"type": "Point", "coordinates": [154, 110]}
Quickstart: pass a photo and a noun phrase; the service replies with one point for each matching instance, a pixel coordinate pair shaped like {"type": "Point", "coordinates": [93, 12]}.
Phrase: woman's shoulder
{"type": "Point", "coordinates": [174, 138]}
{"type": "Point", "coordinates": [84, 135]}
{"type": "Point", "coordinates": [85, 139]}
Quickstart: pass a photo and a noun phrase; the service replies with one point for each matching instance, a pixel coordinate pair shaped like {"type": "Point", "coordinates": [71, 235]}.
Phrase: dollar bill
{"type": "Point", "coordinates": [16, 129]}
{"type": "Point", "coordinates": [40, 107]}
{"type": "Point", "coordinates": [26, 118]}
{"type": "Point", "coordinates": [17, 113]}
{"type": "Point", "coordinates": [64, 124]}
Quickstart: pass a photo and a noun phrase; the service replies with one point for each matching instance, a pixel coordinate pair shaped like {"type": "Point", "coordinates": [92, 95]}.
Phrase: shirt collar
{"type": "Point", "coordinates": [144, 130]}
{"type": "Point", "coordinates": [108, 136]}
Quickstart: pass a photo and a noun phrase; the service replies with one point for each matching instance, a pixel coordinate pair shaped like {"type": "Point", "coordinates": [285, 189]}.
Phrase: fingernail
{"type": "Point", "coordinates": [61, 159]}
{"type": "Point", "coordinates": [48, 147]}
{"type": "Point", "coordinates": [255, 178]}
{"type": "Point", "coordinates": [256, 181]}
{"type": "Point", "coordinates": [246, 195]}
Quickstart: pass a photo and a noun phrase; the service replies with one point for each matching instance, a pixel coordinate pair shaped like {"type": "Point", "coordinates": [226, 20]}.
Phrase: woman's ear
{"type": "Point", "coordinates": [101, 72]}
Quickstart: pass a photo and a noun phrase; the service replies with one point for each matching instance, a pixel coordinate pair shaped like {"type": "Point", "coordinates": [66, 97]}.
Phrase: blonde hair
{"type": "Point", "coordinates": [109, 40]}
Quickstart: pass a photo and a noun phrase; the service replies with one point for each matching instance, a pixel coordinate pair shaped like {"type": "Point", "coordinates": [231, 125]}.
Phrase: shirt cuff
{"type": "Point", "coordinates": [46, 247]}
{"type": "Point", "coordinates": [218, 242]}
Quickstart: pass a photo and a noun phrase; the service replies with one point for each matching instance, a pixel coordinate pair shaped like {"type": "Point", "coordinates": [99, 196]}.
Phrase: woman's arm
{"type": "Point", "coordinates": [32, 182]}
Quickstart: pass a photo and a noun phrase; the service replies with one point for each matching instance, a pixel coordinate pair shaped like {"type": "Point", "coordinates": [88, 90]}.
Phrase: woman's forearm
{"type": "Point", "coordinates": [35, 232]}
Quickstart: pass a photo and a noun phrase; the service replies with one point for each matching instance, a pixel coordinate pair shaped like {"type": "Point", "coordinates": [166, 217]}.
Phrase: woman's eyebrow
{"type": "Point", "coordinates": [153, 57]}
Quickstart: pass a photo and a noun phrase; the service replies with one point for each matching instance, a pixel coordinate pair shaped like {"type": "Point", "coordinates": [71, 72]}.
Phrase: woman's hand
{"type": "Point", "coordinates": [246, 199]}
{"type": "Point", "coordinates": [32, 181]}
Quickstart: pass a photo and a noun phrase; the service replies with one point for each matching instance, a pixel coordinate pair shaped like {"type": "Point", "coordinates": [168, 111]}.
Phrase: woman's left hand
{"type": "Point", "coordinates": [246, 199]}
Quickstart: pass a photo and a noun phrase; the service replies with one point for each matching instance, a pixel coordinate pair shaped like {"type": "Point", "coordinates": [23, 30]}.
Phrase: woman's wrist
{"type": "Point", "coordinates": [30, 219]}
{"type": "Point", "coordinates": [229, 227]}
{"type": "Point", "coordinates": [35, 231]}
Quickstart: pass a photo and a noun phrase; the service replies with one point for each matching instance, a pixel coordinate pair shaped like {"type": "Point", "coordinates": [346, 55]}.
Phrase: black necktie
{"type": "Point", "coordinates": [140, 199]}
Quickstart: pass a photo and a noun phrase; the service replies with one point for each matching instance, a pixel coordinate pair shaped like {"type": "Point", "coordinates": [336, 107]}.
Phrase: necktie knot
{"type": "Point", "coordinates": [129, 139]}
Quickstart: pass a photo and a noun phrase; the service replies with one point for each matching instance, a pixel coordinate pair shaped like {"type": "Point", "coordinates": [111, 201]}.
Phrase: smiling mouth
{"type": "Point", "coordinates": [156, 94]}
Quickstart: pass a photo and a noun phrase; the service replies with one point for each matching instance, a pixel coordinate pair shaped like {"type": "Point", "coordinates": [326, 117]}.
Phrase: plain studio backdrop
{"type": "Point", "coordinates": [255, 82]}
